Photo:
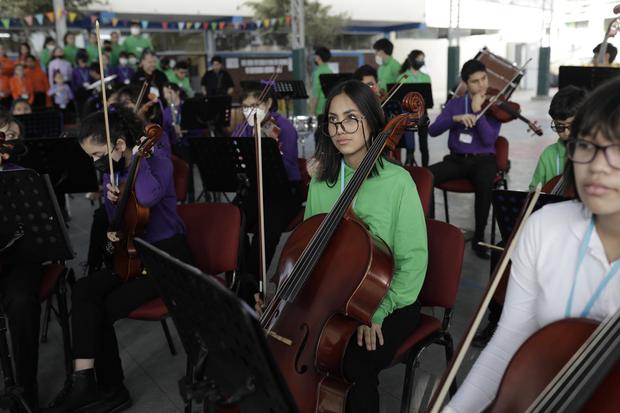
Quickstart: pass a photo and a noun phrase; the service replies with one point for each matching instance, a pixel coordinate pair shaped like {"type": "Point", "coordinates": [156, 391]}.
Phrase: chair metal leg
{"type": "Point", "coordinates": [164, 325]}
{"type": "Point", "coordinates": [449, 350]}
{"type": "Point", "coordinates": [445, 205]}
{"type": "Point", "coordinates": [492, 225]}
{"type": "Point", "coordinates": [405, 403]}
{"type": "Point", "coordinates": [63, 319]}
{"type": "Point", "coordinates": [189, 377]}
{"type": "Point", "coordinates": [47, 315]}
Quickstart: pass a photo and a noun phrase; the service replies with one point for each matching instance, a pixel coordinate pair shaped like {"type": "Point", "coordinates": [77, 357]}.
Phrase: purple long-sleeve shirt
{"type": "Point", "coordinates": [484, 134]}
{"type": "Point", "coordinates": [287, 142]}
{"type": "Point", "coordinates": [123, 74]}
{"type": "Point", "coordinates": [62, 66]}
{"type": "Point", "coordinates": [155, 190]}
{"type": "Point", "coordinates": [79, 77]}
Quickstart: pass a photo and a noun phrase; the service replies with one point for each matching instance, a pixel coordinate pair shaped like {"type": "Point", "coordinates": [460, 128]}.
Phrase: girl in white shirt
{"type": "Point", "coordinates": [567, 262]}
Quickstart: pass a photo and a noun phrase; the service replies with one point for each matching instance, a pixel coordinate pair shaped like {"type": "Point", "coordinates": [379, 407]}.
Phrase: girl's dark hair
{"type": "Point", "coordinates": [254, 89]}
{"type": "Point", "coordinates": [411, 57]}
{"type": "Point", "coordinates": [123, 124]}
{"type": "Point", "coordinates": [6, 118]}
{"type": "Point", "coordinates": [326, 154]}
{"type": "Point", "coordinates": [599, 113]}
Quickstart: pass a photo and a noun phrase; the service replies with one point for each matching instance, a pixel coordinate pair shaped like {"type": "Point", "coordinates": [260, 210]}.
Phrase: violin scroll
{"type": "Point", "coordinates": [152, 133]}
{"type": "Point", "coordinates": [413, 106]}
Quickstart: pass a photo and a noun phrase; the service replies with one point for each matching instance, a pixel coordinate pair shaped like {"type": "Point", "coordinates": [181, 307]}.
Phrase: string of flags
{"type": "Point", "coordinates": [108, 19]}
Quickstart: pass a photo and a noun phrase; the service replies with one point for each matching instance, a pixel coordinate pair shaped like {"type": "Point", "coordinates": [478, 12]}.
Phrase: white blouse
{"type": "Point", "coordinates": [543, 269]}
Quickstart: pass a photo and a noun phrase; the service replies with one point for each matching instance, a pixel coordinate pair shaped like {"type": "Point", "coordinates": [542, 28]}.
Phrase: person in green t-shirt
{"type": "Point", "coordinates": [116, 48]}
{"type": "Point", "coordinates": [46, 54]}
{"type": "Point", "coordinates": [70, 48]}
{"type": "Point", "coordinates": [562, 110]}
{"type": "Point", "coordinates": [389, 68]}
{"type": "Point", "coordinates": [136, 43]}
{"type": "Point", "coordinates": [91, 49]}
{"type": "Point", "coordinates": [317, 100]}
{"type": "Point", "coordinates": [389, 205]}
{"type": "Point", "coordinates": [179, 76]}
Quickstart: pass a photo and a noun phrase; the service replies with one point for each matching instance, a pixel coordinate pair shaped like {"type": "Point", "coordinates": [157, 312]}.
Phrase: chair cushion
{"type": "Point", "coordinates": [428, 325]}
{"type": "Point", "coordinates": [462, 185]}
{"type": "Point", "coordinates": [49, 279]}
{"type": "Point", "coordinates": [153, 310]}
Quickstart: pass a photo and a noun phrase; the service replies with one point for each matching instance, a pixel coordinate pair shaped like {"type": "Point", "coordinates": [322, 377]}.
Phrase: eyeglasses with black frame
{"type": "Point", "coordinates": [559, 127]}
{"type": "Point", "coordinates": [583, 151]}
{"type": "Point", "coordinates": [349, 125]}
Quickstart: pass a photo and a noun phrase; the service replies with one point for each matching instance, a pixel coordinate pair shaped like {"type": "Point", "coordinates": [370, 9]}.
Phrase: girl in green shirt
{"type": "Point", "coordinates": [388, 203]}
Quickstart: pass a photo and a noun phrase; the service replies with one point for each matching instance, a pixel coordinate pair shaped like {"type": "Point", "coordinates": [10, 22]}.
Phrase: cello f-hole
{"type": "Point", "coordinates": [299, 366]}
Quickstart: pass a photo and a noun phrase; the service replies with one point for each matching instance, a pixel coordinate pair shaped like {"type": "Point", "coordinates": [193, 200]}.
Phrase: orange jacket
{"type": "Point", "coordinates": [20, 88]}
{"type": "Point", "coordinates": [5, 86]}
{"type": "Point", "coordinates": [7, 66]}
{"type": "Point", "coordinates": [39, 81]}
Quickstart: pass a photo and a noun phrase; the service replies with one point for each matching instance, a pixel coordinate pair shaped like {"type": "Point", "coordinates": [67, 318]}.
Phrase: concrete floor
{"type": "Point", "coordinates": [152, 372]}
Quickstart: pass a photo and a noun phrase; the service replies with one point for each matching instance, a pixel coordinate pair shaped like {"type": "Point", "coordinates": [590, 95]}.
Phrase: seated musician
{"type": "Point", "coordinates": [368, 75]}
{"type": "Point", "coordinates": [280, 208]}
{"type": "Point", "coordinates": [389, 204]}
{"type": "Point", "coordinates": [102, 298]}
{"type": "Point", "coordinates": [567, 251]}
{"type": "Point", "coordinates": [471, 144]}
{"type": "Point", "coordinates": [562, 110]}
{"type": "Point", "coordinates": [20, 278]}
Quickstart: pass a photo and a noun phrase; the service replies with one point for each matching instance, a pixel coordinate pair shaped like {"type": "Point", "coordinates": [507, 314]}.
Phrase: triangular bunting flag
{"type": "Point", "coordinates": [214, 26]}
{"type": "Point", "coordinates": [6, 23]}
{"type": "Point", "coordinates": [266, 23]}
{"type": "Point", "coordinates": [188, 25]}
{"type": "Point", "coordinates": [164, 25]}
{"type": "Point", "coordinates": [50, 16]}
{"type": "Point", "coordinates": [274, 21]}
{"type": "Point", "coordinates": [197, 25]}
{"type": "Point", "coordinates": [59, 14]}
{"type": "Point", "coordinates": [39, 18]}
{"type": "Point", "coordinates": [93, 19]}
{"type": "Point", "coordinates": [222, 25]}
{"type": "Point", "coordinates": [259, 24]}
{"type": "Point", "coordinates": [281, 20]}
{"type": "Point", "coordinates": [288, 20]}
{"type": "Point", "coordinates": [114, 21]}
{"type": "Point", "coordinates": [29, 20]}
{"type": "Point", "coordinates": [72, 16]}
{"type": "Point", "coordinates": [181, 25]}
{"type": "Point", "coordinates": [145, 24]}
{"type": "Point", "coordinates": [205, 25]}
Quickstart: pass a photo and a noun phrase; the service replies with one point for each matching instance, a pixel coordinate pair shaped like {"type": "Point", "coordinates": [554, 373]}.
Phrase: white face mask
{"type": "Point", "coordinates": [123, 61]}
{"type": "Point", "coordinates": [378, 60]}
{"type": "Point", "coordinates": [135, 31]}
{"type": "Point", "coordinates": [172, 64]}
{"type": "Point", "coordinates": [50, 47]}
{"type": "Point", "coordinates": [249, 115]}
{"type": "Point", "coordinates": [133, 60]}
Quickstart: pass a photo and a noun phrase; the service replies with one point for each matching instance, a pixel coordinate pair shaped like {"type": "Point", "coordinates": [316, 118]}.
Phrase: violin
{"type": "Point", "coordinates": [12, 148]}
{"type": "Point", "coordinates": [611, 31]}
{"type": "Point", "coordinates": [308, 340]}
{"type": "Point", "coordinates": [504, 110]}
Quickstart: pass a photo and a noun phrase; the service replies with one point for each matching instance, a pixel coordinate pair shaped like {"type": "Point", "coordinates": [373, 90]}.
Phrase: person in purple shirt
{"type": "Point", "coordinates": [123, 71]}
{"type": "Point", "coordinates": [280, 208]}
{"type": "Point", "coordinates": [102, 298]}
{"type": "Point", "coordinates": [471, 144]}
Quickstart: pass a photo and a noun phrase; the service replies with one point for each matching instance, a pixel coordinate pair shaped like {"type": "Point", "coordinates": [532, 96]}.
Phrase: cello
{"type": "Point", "coordinates": [309, 340]}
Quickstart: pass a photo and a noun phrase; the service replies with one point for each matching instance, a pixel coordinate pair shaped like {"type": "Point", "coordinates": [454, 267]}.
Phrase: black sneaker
{"type": "Point", "coordinates": [482, 338]}
{"type": "Point", "coordinates": [479, 250]}
{"type": "Point", "coordinates": [114, 400]}
{"type": "Point", "coordinates": [78, 395]}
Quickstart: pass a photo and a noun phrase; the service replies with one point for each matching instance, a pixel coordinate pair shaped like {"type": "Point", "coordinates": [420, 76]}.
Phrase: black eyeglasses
{"type": "Point", "coordinates": [348, 126]}
{"type": "Point", "coordinates": [582, 151]}
{"type": "Point", "coordinates": [559, 127]}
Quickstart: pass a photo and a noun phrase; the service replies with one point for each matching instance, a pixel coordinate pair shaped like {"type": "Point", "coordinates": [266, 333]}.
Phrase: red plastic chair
{"type": "Point", "coordinates": [213, 234]}
{"type": "Point", "coordinates": [446, 246]}
{"type": "Point", "coordinates": [423, 179]}
{"type": "Point", "coordinates": [465, 186]}
{"type": "Point", "coordinates": [180, 173]}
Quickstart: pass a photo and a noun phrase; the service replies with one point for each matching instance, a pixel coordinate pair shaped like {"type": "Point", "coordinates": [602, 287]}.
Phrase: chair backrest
{"type": "Point", "coordinates": [423, 179]}
{"type": "Point", "coordinates": [446, 246]}
{"type": "Point", "coordinates": [501, 154]}
{"type": "Point", "coordinates": [180, 173]}
{"type": "Point", "coordinates": [213, 235]}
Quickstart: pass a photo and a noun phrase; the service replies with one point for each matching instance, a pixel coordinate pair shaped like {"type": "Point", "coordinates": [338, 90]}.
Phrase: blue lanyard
{"type": "Point", "coordinates": [466, 105]}
{"type": "Point", "coordinates": [557, 163]}
{"type": "Point", "coordinates": [601, 287]}
{"type": "Point", "coordinates": [342, 180]}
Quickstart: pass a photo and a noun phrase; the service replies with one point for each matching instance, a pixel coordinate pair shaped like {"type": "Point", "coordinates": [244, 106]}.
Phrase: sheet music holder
{"type": "Point", "coordinates": [424, 89]}
{"type": "Point", "coordinates": [284, 89]}
{"type": "Point", "coordinates": [508, 204]}
{"type": "Point", "coordinates": [587, 77]}
{"type": "Point", "coordinates": [224, 342]}
{"type": "Point", "coordinates": [206, 112]}
{"type": "Point", "coordinates": [226, 164]}
{"type": "Point", "coordinates": [69, 168]}
{"type": "Point", "coordinates": [330, 80]}
{"type": "Point", "coordinates": [44, 124]}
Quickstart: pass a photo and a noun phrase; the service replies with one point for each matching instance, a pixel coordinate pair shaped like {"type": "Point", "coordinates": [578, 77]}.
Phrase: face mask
{"type": "Point", "coordinates": [135, 31]}
{"type": "Point", "coordinates": [102, 165]}
{"type": "Point", "coordinates": [133, 60]}
{"type": "Point", "coordinates": [50, 47]}
{"type": "Point", "coordinates": [249, 115]}
{"type": "Point", "coordinates": [378, 60]}
{"type": "Point", "coordinates": [417, 64]}
{"type": "Point", "coordinates": [172, 64]}
{"type": "Point", "coordinates": [123, 61]}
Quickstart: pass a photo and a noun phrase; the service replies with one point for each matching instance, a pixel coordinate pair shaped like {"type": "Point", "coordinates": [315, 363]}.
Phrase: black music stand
{"type": "Point", "coordinates": [229, 165]}
{"type": "Point", "coordinates": [587, 77]}
{"type": "Point", "coordinates": [206, 112]}
{"type": "Point", "coordinates": [284, 89]}
{"type": "Point", "coordinates": [225, 344]}
{"type": "Point", "coordinates": [330, 80]}
{"type": "Point", "coordinates": [70, 169]}
{"type": "Point", "coordinates": [31, 222]}
{"type": "Point", "coordinates": [45, 124]}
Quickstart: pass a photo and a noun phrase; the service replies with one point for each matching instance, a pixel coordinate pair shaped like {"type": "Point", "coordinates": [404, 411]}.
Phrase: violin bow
{"type": "Point", "coordinates": [448, 377]}
{"type": "Point", "coordinates": [105, 105]}
{"type": "Point", "coordinates": [141, 96]}
{"type": "Point", "coordinates": [394, 89]}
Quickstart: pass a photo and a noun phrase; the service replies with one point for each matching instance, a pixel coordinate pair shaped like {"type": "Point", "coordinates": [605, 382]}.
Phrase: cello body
{"type": "Point", "coordinates": [540, 359]}
{"type": "Point", "coordinates": [344, 289]}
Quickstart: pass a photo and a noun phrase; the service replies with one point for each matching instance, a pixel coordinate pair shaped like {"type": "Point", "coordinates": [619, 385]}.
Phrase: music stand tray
{"type": "Point", "coordinates": [69, 168]}
{"type": "Point", "coordinates": [284, 89]}
{"type": "Point", "coordinates": [222, 338]}
{"type": "Point", "coordinates": [330, 80]}
{"type": "Point", "coordinates": [424, 89]}
{"type": "Point", "coordinates": [587, 77]}
{"type": "Point", "coordinates": [205, 112]}
{"type": "Point", "coordinates": [226, 163]}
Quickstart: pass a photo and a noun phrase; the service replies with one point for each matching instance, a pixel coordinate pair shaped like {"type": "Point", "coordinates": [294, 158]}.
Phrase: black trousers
{"type": "Point", "coordinates": [101, 299]}
{"type": "Point", "coordinates": [481, 171]}
{"type": "Point", "coordinates": [19, 286]}
{"type": "Point", "coordinates": [97, 254]}
{"type": "Point", "coordinates": [362, 367]}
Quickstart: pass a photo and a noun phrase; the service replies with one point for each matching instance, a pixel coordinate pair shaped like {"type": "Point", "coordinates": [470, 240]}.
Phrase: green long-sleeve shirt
{"type": "Point", "coordinates": [550, 164]}
{"type": "Point", "coordinates": [388, 72]}
{"type": "Point", "coordinates": [317, 90]}
{"type": "Point", "coordinates": [389, 204]}
{"type": "Point", "coordinates": [136, 45]}
{"type": "Point", "coordinates": [417, 77]}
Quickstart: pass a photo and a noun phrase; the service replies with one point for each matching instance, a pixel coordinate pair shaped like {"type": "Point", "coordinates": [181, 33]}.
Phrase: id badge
{"type": "Point", "coordinates": [466, 138]}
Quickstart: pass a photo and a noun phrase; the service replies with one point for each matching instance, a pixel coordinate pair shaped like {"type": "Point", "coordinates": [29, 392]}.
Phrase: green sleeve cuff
{"type": "Point", "coordinates": [379, 316]}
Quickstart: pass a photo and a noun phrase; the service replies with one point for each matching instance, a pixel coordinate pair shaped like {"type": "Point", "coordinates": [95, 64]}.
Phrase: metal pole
{"type": "Point", "coordinates": [544, 53]}
{"type": "Point", "coordinates": [60, 19]}
{"type": "Point", "coordinates": [298, 43]}
{"type": "Point", "coordinates": [453, 50]}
